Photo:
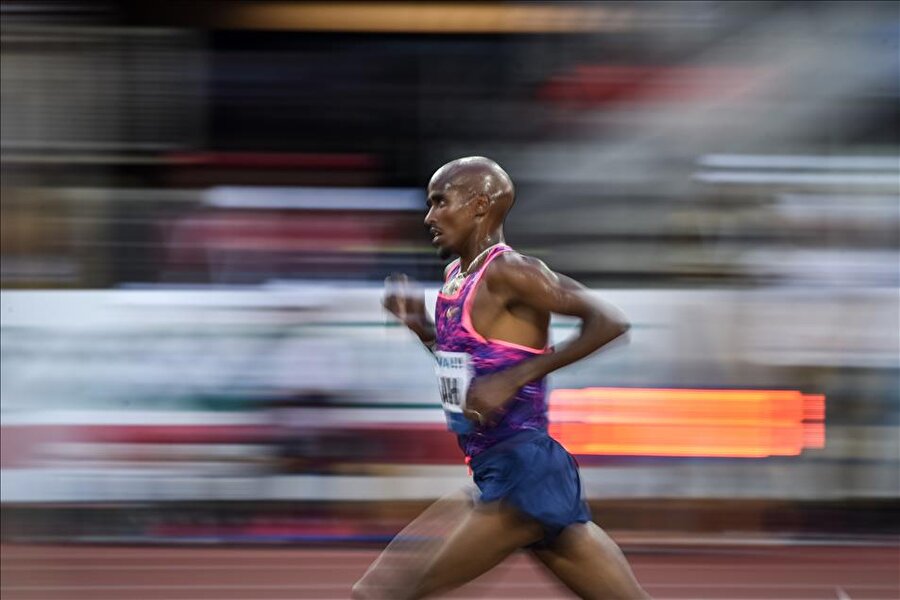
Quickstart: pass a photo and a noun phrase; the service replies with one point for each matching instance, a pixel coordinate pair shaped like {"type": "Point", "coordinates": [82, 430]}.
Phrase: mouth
{"type": "Point", "coordinates": [436, 235]}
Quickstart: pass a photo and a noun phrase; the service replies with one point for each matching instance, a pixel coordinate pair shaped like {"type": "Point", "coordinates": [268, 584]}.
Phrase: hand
{"type": "Point", "coordinates": [405, 300]}
{"type": "Point", "coordinates": [488, 395]}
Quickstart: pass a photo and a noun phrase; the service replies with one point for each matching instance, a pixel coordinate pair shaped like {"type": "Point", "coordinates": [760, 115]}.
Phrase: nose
{"type": "Point", "coordinates": [429, 217]}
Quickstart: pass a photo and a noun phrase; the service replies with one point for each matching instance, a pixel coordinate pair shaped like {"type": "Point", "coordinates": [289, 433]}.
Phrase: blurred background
{"type": "Point", "coordinates": [200, 201]}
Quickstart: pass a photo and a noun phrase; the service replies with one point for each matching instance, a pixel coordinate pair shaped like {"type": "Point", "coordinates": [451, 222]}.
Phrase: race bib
{"type": "Point", "coordinates": [454, 372]}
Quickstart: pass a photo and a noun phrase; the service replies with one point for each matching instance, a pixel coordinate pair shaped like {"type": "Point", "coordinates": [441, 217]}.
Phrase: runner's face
{"type": "Point", "coordinates": [449, 219]}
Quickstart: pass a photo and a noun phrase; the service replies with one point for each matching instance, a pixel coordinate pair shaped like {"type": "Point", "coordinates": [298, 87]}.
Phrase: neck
{"type": "Point", "coordinates": [479, 245]}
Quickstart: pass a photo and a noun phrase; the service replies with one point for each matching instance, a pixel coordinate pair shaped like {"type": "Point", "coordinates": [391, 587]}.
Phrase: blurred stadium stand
{"type": "Point", "coordinates": [200, 199]}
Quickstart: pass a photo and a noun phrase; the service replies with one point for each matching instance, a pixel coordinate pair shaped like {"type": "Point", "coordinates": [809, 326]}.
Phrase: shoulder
{"type": "Point", "coordinates": [512, 260]}
{"type": "Point", "coordinates": [516, 271]}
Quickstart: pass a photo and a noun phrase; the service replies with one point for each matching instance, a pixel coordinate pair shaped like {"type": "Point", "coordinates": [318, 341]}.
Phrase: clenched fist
{"type": "Point", "coordinates": [404, 299]}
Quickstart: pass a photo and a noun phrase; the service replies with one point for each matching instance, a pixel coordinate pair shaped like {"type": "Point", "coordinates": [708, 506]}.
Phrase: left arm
{"type": "Point", "coordinates": [528, 281]}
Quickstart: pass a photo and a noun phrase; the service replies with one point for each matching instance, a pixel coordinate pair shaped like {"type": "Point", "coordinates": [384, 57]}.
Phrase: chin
{"type": "Point", "coordinates": [444, 252]}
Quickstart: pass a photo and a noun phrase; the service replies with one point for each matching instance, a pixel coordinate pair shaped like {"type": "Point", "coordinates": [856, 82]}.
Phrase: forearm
{"type": "Point", "coordinates": [596, 332]}
{"type": "Point", "coordinates": [424, 330]}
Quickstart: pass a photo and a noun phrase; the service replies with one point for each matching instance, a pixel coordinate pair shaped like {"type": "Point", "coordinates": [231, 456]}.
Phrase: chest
{"type": "Point", "coordinates": [472, 310]}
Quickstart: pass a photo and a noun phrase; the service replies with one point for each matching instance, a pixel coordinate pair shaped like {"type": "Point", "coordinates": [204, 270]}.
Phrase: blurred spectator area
{"type": "Point", "coordinates": [652, 144]}
{"type": "Point", "coordinates": [725, 172]}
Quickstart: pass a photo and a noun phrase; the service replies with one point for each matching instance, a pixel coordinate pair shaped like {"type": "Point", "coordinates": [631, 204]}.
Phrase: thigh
{"type": "Point", "coordinates": [406, 557]}
{"type": "Point", "coordinates": [487, 535]}
{"type": "Point", "coordinates": [590, 564]}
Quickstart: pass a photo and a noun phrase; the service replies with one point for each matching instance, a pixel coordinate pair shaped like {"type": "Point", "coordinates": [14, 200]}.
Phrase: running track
{"type": "Point", "coordinates": [32, 572]}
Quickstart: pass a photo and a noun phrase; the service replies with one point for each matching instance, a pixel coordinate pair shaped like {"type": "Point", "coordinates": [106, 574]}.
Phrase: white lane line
{"type": "Point", "coordinates": [60, 588]}
{"type": "Point", "coordinates": [499, 584]}
{"type": "Point", "coordinates": [182, 553]}
{"type": "Point", "coordinates": [301, 564]}
{"type": "Point", "coordinates": [102, 568]}
{"type": "Point", "coordinates": [885, 555]}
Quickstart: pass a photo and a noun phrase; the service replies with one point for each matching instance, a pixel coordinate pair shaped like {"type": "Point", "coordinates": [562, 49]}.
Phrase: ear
{"type": "Point", "coordinates": [482, 205]}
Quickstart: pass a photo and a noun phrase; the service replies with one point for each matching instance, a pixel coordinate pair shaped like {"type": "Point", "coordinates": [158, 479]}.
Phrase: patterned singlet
{"type": "Point", "coordinates": [462, 353]}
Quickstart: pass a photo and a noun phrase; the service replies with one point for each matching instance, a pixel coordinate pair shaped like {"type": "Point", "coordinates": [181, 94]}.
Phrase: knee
{"type": "Point", "coordinates": [369, 589]}
{"type": "Point", "coordinates": [362, 591]}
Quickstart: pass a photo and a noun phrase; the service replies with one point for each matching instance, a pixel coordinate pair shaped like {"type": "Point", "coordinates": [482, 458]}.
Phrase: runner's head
{"type": "Point", "coordinates": [467, 197]}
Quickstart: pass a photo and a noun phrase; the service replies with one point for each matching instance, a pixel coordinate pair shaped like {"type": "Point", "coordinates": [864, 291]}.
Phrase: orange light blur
{"type": "Point", "coordinates": [431, 17]}
{"type": "Point", "coordinates": [687, 422]}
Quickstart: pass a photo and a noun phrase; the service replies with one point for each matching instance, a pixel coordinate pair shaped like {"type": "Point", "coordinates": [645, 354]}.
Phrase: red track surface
{"type": "Point", "coordinates": [179, 573]}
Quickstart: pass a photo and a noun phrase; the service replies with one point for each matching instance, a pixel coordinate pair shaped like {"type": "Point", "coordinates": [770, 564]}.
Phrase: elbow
{"type": "Point", "coordinates": [613, 331]}
{"type": "Point", "coordinates": [609, 326]}
{"type": "Point", "coordinates": [622, 335]}
{"type": "Point", "coordinates": [618, 325]}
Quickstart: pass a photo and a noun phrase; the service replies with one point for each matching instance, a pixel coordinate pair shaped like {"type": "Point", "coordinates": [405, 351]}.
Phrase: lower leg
{"type": "Point", "coordinates": [590, 563]}
{"type": "Point", "coordinates": [401, 563]}
{"type": "Point", "coordinates": [488, 535]}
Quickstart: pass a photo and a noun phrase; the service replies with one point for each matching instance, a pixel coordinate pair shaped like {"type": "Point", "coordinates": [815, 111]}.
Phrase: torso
{"type": "Point", "coordinates": [496, 319]}
{"type": "Point", "coordinates": [491, 336]}
{"type": "Point", "coordinates": [514, 323]}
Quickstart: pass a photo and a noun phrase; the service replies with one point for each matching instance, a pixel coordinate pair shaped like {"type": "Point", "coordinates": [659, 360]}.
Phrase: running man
{"type": "Point", "coordinates": [490, 342]}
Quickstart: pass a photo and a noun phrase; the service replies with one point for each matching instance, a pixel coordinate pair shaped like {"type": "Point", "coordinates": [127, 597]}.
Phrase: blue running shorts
{"type": "Point", "coordinates": [534, 473]}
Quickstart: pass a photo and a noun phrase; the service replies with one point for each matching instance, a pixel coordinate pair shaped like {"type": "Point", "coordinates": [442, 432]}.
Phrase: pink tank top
{"type": "Point", "coordinates": [461, 353]}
